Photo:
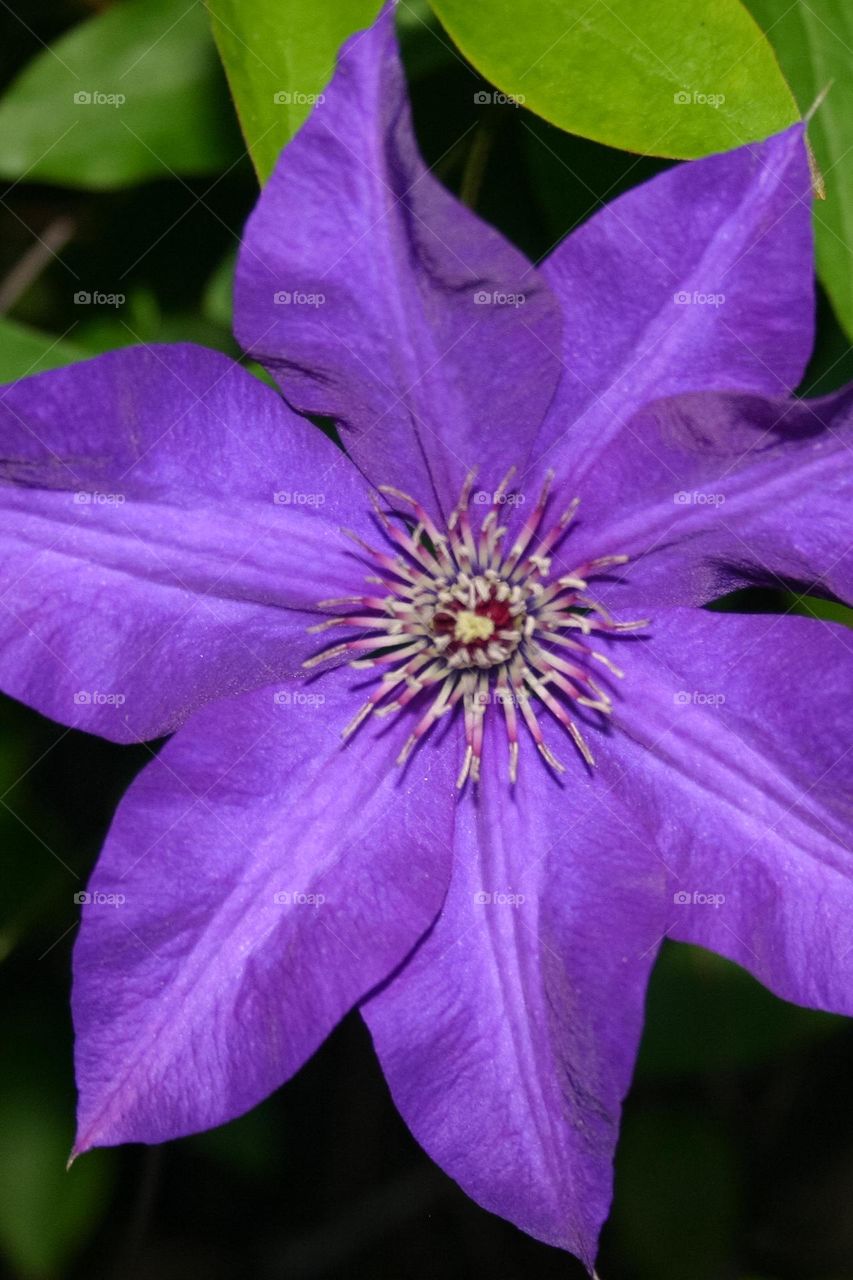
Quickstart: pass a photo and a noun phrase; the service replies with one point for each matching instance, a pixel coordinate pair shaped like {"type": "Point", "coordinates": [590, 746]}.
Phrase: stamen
{"type": "Point", "coordinates": [529, 529]}
{"type": "Point", "coordinates": [461, 618]}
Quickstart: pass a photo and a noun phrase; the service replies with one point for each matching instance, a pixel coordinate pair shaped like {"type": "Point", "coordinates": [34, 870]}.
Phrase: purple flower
{"type": "Point", "coordinates": [422, 831]}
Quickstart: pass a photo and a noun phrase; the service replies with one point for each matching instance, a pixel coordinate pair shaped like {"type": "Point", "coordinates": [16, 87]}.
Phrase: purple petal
{"type": "Point", "coordinates": [147, 566]}
{"type": "Point", "coordinates": [707, 493]}
{"type": "Point", "coordinates": [400, 313]}
{"type": "Point", "coordinates": [700, 279]}
{"type": "Point", "coordinates": [509, 1037]}
{"type": "Point", "coordinates": [744, 728]}
{"type": "Point", "coordinates": [258, 879]}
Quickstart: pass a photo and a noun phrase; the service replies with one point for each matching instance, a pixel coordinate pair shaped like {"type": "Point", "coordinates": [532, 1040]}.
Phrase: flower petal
{"type": "Point", "coordinates": [509, 1036]}
{"type": "Point", "coordinates": [375, 297]}
{"type": "Point", "coordinates": [745, 723]}
{"type": "Point", "coordinates": [707, 493]}
{"type": "Point", "coordinates": [147, 566]}
{"type": "Point", "coordinates": [701, 279]}
{"type": "Point", "coordinates": [258, 879]}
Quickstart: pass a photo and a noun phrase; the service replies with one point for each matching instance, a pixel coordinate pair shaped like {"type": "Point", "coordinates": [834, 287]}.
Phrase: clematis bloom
{"type": "Point", "coordinates": [453, 739]}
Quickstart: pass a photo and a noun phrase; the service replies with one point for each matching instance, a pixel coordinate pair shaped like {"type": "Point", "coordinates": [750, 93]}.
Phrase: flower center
{"type": "Point", "coordinates": [477, 621]}
{"type": "Point", "coordinates": [469, 628]}
{"type": "Point", "coordinates": [463, 619]}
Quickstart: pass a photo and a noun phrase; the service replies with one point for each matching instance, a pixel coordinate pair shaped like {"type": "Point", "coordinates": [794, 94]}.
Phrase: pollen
{"type": "Point", "coordinates": [465, 618]}
{"type": "Point", "coordinates": [473, 626]}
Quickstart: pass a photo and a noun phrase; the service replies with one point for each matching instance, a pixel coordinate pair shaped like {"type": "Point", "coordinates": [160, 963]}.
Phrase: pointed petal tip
{"type": "Point", "coordinates": [84, 1142]}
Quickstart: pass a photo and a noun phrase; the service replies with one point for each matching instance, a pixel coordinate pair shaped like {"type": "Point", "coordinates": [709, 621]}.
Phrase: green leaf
{"type": "Point", "coordinates": [278, 59]}
{"type": "Point", "coordinates": [814, 607]}
{"type": "Point", "coordinates": [656, 76]}
{"type": "Point", "coordinates": [24, 351]}
{"type": "Point", "coordinates": [815, 47]}
{"type": "Point", "coordinates": [130, 94]}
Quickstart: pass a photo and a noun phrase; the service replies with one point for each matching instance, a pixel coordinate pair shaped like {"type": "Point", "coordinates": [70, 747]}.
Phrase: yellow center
{"type": "Point", "coordinates": [472, 626]}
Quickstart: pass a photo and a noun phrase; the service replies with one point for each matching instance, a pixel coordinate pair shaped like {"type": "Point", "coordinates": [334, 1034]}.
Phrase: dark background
{"type": "Point", "coordinates": [736, 1161]}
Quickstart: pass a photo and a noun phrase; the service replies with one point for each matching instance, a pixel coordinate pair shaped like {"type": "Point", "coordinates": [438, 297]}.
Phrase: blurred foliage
{"type": "Point", "coordinates": [46, 1213]}
{"type": "Point", "coordinates": [24, 351]}
{"type": "Point", "coordinates": [736, 1161]}
{"type": "Point", "coordinates": [688, 1164]}
{"type": "Point", "coordinates": [706, 1015]}
{"type": "Point", "coordinates": [132, 93]}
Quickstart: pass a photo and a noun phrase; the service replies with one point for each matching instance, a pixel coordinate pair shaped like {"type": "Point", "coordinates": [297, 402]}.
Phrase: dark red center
{"type": "Point", "coordinates": [497, 611]}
